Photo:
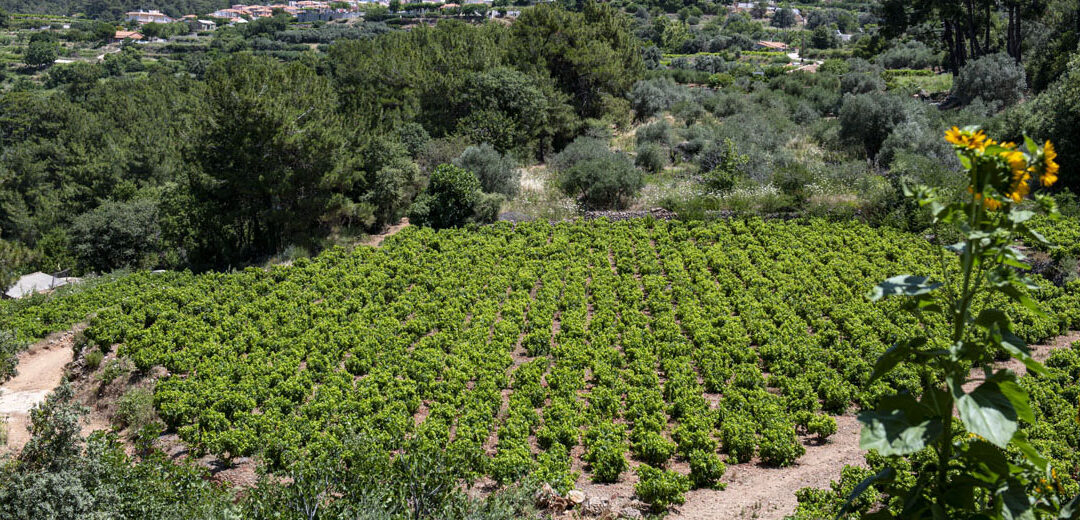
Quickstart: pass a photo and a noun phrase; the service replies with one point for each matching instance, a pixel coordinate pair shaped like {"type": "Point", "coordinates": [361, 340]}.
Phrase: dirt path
{"type": "Point", "coordinates": [41, 368]}
{"type": "Point", "coordinates": [377, 240]}
{"type": "Point", "coordinates": [755, 491]}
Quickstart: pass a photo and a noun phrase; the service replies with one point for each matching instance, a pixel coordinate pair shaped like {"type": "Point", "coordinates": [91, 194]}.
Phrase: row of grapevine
{"type": "Point", "coordinates": [520, 349]}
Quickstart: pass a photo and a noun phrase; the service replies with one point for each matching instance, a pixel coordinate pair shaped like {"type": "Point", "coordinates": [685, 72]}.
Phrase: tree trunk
{"type": "Point", "coordinates": [972, 30]}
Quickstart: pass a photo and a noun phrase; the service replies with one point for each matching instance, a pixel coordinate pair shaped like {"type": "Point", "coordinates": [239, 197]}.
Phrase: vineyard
{"type": "Point", "coordinates": [520, 348]}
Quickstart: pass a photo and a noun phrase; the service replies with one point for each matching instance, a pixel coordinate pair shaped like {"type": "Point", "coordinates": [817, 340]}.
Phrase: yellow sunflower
{"type": "Point", "coordinates": [1050, 170]}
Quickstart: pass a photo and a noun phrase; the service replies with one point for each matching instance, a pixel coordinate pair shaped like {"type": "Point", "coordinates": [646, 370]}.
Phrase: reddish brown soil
{"type": "Point", "coordinates": [377, 240]}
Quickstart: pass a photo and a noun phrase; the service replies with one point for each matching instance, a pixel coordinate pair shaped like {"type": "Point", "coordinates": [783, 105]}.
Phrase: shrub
{"type": "Point", "coordinates": [779, 446]}
{"type": "Point", "coordinates": [737, 438]}
{"type": "Point", "coordinates": [600, 177]}
{"type": "Point", "coordinates": [996, 78]}
{"type": "Point", "coordinates": [114, 370]}
{"type": "Point", "coordinates": [497, 173]}
{"type": "Point", "coordinates": [605, 447]}
{"type": "Point", "coordinates": [10, 346]}
{"type": "Point", "coordinates": [706, 469]}
{"type": "Point", "coordinates": [821, 425]}
{"type": "Point", "coordinates": [653, 448]}
{"type": "Point", "coordinates": [93, 359]}
{"type": "Point", "coordinates": [660, 488]}
{"type": "Point", "coordinates": [868, 119]}
{"type": "Point", "coordinates": [652, 96]}
{"type": "Point", "coordinates": [908, 55]}
{"type": "Point", "coordinates": [651, 157]}
{"type": "Point", "coordinates": [135, 409]}
{"type": "Point", "coordinates": [861, 83]}
{"type": "Point", "coordinates": [793, 180]}
{"type": "Point", "coordinates": [916, 137]}
{"type": "Point", "coordinates": [453, 198]}
{"type": "Point", "coordinates": [722, 164]}
{"type": "Point", "coordinates": [834, 66]}
{"type": "Point", "coordinates": [659, 133]}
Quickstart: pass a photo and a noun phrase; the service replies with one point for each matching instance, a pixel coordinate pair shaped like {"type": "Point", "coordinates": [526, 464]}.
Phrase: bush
{"type": "Point", "coordinates": [821, 425]}
{"type": "Point", "coordinates": [653, 448]}
{"type": "Point", "coordinates": [868, 119]}
{"type": "Point", "coordinates": [651, 157]}
{"type": "Point", "coordinates": [908, 55]}
{"type": "Point", "coordinates": [652, 96]}
{"type": "Point", "coordinates": [706, 469]}
{"type": "Point", "coordinates": [779, 446]}
{"type": "Point", "coordinates": [93, 359]}
{"type": "Point", "coordinates": [10, 346]}
{"type": "Point", "coordinates": [453, 198]}
{"type": "Point", "coordinates": [996, 78]}
{"type": "Point", "coordinates": [605, 447]}
{"type": "Point", "coordinates": [737, 438]}
{"type": "Point", "coordinates": [497, 173]}
{"type": "Point", "coordinates": [722, 165]}
{"type": "Point", "coordinates": [598, 176]}
{"type": "Point", "coordinates": [135, 409]}
{"type": "Point", "coordinates": [793, 180]}
{"type": "Point", "coordinates": [660, 488]}
{"type": "Point", "coordinates": [659, 133]}
{"type": "Point", "coordinates": [861, 83]}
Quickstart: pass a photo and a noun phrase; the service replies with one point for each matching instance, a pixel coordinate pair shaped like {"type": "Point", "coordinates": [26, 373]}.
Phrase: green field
{"type": "Point", "coordinates": [649, 340]}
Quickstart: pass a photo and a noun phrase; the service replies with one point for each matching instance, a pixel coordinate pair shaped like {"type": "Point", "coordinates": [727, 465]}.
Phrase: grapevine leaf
{"type": "Point", "coordinates": [903, 285]}
{"type": "Point", "coordinates": [988, 413]}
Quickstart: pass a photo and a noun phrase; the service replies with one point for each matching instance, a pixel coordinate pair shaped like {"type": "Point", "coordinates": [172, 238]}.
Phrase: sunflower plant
{"type": "Point", "coordinates": [966, 420]}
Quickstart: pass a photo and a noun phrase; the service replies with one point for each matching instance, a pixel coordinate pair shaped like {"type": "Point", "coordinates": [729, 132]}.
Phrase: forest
{"type": "Point", "coordinates": [626, 243]}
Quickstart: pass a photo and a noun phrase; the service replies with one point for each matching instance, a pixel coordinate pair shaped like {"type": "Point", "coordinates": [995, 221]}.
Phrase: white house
{"type": "Point", "coordinates": [148, 17]}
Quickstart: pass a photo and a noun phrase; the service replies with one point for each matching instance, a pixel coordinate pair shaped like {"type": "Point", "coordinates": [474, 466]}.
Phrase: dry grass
{"type": "Point", "coordinates": [539, 197]}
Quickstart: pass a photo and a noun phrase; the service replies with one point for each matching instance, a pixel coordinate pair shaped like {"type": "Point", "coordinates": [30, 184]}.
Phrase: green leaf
{"type": "Point", "coordinates": [903, 285]}
{"type": "Point", "coordinates": [897, 432]}
{"type": "Point", "coordinates": [997, 325]}
{"type": "Point", "coordinates": [985, 462]}
{"type": "Point", "coordinates": [896, 353]}
{"type": "Point", "coordinates": [1019, 399]}
{"type": "Point", "coordinates": [988, 413]}
{"type": "Point", "coordinates": [1018, 216]}
{"type": "Point", "coordinates": [1016, 504]}
{"type": "Point", "coordinates": [1020, 440]}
